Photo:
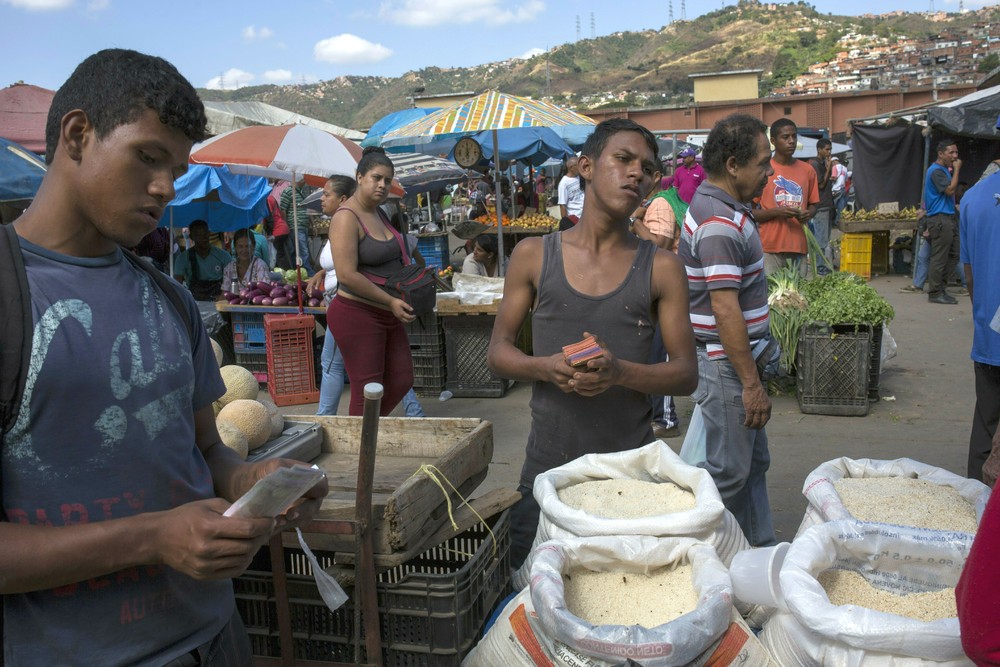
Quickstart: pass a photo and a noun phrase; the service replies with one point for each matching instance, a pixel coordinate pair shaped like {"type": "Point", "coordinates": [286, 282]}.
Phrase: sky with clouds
{"type": "Point", "coordinates": [229, 44]}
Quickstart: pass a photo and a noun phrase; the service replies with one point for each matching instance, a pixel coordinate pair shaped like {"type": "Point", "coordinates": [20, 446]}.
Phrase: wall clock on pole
{"type": "Point", "coordinates": [468, 152]}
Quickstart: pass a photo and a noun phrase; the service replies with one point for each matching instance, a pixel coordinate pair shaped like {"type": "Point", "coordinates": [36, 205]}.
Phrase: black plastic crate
{"type": "Point", "coordinates": [467, 341]}
{"type": "Point", "coordinates": [832, 372]}
{"type": "Point", "coordinates": [431, 609]}
{"type": "Point", "coordinates": [255, 362]}
{"type": "Point", "coordinates": [429, 374]}
{"type": "Point", "coordinates": [875, 366]}
{"type": "Point", "coordinates": [426, 334]}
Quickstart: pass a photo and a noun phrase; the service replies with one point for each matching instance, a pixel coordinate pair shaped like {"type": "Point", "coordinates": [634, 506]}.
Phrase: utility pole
{"type": "Point", "coordinates": [593, 26]}
{"type": "Point", "coordinates": [222, 81]}
{"type": "Point", "coordinates": [578, 27]}
{"type": "Point", "coordinates": [684, 14]}
{"type": "Point", "coordinates": [670, 12]}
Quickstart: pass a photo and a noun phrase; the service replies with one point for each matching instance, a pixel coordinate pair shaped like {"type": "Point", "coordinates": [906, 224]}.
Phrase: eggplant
{"type": "Point", "coordinates": [235, 301]}
{"type": "Point", "coordinates": [276, 292]}
{"type": "Point", "coordinates": [258, 299]}
{"type": "Point", "coordinates": [280, 301]}
{"type": "Point", "coordinates": [314, 303]}
{"type": "Point", "coordinates": [266, 301]}
{"type": "Point", "coordinates": [316, 294]}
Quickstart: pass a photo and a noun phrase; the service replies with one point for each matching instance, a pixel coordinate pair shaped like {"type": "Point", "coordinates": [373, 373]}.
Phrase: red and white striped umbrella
{"type": "Point", "coordinates": [289, 152]}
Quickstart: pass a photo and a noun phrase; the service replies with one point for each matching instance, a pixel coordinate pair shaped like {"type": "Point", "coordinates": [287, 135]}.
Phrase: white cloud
{"type": "Point", "coordinates": [424, 13]}
{"type": "Point", "coordinates": [230, 80]}
{"type": "Point", "coordinates": [278, 75]}
{"type": "Point", "coordinates": [40, 5]}
{"type": "Point", "coordinates": [98, 5]}
{"type": "Point", "coordinates": [252, 33]}
{"type": "Point", "coordinates": [531, 53]}
{"type": "Point", "coordinates": [349, 49]}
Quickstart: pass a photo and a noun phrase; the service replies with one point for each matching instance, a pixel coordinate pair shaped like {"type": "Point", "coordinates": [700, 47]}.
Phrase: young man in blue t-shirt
{"type": "Point", "coordinates": [114, 549]}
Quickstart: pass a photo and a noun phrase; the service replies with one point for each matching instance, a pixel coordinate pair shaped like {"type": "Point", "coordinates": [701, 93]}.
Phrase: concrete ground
{"type": "Point", "coordinates": [925, 412]}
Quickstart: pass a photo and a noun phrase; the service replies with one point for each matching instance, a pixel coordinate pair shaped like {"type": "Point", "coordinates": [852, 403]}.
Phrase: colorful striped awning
{"type": "Point", "coordinates": [491, 110]}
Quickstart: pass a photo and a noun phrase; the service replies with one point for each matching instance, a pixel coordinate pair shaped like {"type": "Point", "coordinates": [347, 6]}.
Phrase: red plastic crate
{"type": "Point", "coordinates": [291, 377]}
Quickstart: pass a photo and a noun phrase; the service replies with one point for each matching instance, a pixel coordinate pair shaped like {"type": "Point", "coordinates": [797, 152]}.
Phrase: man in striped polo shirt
{"type": "Point", "coordinates": [722, 252]}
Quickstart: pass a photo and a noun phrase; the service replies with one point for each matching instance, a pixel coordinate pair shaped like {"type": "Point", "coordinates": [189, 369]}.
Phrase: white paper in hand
{"type": "Point", "coordinates": [274, 494]}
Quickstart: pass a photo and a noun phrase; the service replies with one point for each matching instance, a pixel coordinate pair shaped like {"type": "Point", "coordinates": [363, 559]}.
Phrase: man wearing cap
{"type": "Point", "coordinates": [689, 175]}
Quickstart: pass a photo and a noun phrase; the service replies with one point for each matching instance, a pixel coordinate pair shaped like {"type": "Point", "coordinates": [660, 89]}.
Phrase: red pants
{"type": "Point", "coordinates": [375, 348]}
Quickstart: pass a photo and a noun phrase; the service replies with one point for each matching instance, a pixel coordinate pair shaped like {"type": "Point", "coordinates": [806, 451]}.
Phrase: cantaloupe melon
{"type": "Point", "coordinates": [277, 419]}
{"type": "Point", "coordinates": [240, 385]}
{"type": "Point", "coordinates": [218, 352]}
{"type": "Point", "coordinates": [233, 438]}
{"type": "Point", "coordinates": [251, 418]}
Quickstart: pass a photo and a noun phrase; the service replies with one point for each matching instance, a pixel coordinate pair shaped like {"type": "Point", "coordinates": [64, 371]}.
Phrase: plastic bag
{"type": "Point", "coordinates": [655, 462]}
{"type": "Point", "coordinates": [693, 449]}
{"type": "Point", "coordinates": [891, 558]}
{"type": "Point", "coordinates": [537, 620]}
{"type": "Point", "coordinates": [825, 504]}
{"type": "Point", "coordinates": [888, 349]}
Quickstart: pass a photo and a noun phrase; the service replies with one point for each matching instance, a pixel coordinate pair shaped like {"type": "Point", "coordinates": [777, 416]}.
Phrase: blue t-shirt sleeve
{"type": "Point", "coordinates": [941, 179]}
{"type": "Point", "coordinates": [181, 266]}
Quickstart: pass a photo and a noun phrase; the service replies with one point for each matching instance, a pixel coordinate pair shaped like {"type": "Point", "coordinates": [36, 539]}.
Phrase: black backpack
{"type": "Point", "coordinates": [16, 326]}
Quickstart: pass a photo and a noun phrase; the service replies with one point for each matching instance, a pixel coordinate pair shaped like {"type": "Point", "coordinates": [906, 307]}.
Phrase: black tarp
{"type": "Point", "coordinates": [974, 115]}
{"type": "Point", "coordinates": [888, 162]}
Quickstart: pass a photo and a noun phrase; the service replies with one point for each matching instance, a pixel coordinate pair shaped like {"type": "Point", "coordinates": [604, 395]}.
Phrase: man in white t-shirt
{"type": "Point", "coordinates": [570, 193]}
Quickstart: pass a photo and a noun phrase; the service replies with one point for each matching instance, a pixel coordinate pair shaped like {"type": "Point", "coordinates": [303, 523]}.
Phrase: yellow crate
{"type": "Point", "coordinates": [865, 253]}
{"type": "Point", "coordinates": [856, 254]}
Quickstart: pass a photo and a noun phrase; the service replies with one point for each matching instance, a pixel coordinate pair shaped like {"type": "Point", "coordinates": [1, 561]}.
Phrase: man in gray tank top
{"type": "Point", "coordinates": [595, 278]}
{"type": "Point", "coordinates": [724, 260]}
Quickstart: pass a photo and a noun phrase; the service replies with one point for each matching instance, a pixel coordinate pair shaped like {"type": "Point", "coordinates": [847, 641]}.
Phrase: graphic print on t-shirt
{"type": "Point", "coordinates": [787, 192]}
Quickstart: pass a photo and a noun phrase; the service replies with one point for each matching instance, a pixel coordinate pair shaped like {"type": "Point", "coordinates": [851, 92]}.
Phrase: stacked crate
{"type": "Point", "coordinates": [426, 336]}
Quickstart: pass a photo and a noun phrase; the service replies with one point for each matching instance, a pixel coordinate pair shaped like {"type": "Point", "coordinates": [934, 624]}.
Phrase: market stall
{"type": "Point", "coordinates": [495, 113]}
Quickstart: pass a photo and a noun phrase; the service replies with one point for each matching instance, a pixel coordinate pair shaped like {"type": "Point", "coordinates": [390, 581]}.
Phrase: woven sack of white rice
{"type": "Point", "coordinates": [867, 594]}
{"type": "Point", "coordinates": [704, 517]}
{"type": "Point", "coordinates": [897, 492]}
{"type": "Point", "coordinates": [625, 579]}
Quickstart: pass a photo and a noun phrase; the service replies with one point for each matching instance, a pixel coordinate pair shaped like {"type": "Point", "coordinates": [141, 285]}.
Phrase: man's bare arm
{"type": "Point", "coordinates": [736, 342]}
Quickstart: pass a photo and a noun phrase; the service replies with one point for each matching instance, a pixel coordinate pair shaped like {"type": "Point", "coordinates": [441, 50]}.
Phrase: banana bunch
{"type": "Point", "coordinates": [864, 215]}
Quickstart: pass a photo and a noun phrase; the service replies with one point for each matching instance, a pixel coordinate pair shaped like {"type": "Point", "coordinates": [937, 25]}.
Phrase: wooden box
{"type": "Point", "coordinates": [408, 506]}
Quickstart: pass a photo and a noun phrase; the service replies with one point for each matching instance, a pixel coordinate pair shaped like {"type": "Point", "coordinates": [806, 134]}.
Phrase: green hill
{"type": "Point", "coordinates": [650, 67]}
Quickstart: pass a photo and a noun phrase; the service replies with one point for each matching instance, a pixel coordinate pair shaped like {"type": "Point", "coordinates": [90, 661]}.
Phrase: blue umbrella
{"type": "Point", "coordinates": [21, 172]}
{"type": "Point", "coordinates": [528, 144]}
{"type": "Point", "coordinates": [391, 122]}
{"type": "Point", "coordinates": [224, 200]}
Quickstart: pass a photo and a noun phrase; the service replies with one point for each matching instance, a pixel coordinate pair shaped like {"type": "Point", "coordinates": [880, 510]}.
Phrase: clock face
{"type": "Point", "coordinates": [468, 152]}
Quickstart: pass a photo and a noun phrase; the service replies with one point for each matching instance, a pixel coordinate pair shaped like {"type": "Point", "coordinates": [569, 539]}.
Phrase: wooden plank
{"type": "Point", "coordinates": [224, 307]}
{"type": "Point", "coordinates": [487, 505]}
{"type": "Point", "coordinates": [406, 507]}
{"type": "Point", "coordinates": [409, 512]}
{"type": "Point", "coordinates": [455, 307]}
{"type": "Point", "coordinates": [862, 226]}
